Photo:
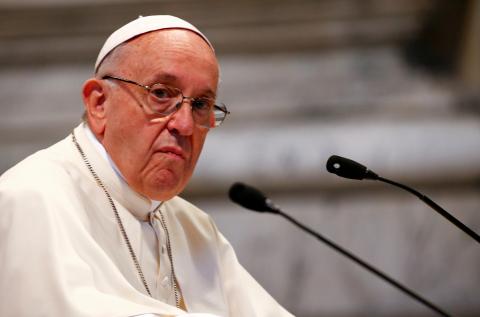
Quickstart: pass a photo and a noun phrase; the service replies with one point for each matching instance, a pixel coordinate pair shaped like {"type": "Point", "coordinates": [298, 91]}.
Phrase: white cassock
{"type": "Point", "coordinates": [62, 253]}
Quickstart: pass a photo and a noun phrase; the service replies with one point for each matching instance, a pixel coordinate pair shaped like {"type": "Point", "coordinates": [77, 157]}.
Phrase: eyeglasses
{"type": "Point", "coordinates": [165, 100]}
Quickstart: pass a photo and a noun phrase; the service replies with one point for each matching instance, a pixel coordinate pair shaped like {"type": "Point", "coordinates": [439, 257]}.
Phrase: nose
{"type": "Point", "coordinates": [182, 120]}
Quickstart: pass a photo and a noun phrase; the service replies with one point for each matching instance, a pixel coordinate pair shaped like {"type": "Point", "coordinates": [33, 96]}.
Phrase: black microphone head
{"type": "Point", "coordinates": [347, 168]}
{"type": "Point", "coordinates": [250, 198]}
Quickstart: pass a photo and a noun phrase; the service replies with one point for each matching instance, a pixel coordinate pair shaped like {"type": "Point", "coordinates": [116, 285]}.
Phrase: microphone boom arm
{"type": "Point", "coordinates": [348, 168]}
{"type": "Point", "coordinates": [435, 207]}
{"type": "Point", "coordinates": [251, 198]}
{"type": "Point", "coordinates": [363, 264]}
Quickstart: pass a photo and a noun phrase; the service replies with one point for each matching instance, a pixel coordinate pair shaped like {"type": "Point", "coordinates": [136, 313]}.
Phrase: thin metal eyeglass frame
{"type": "Point", "coordinates": [222, 108]}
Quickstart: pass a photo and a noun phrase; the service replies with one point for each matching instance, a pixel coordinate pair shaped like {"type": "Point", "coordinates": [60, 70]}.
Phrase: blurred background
{"type": "Point", "coordinates": [392, 84]}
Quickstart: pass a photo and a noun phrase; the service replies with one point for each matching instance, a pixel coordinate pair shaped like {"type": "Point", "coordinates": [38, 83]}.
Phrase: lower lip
{"type": "Point", "coordinates": [172, 155]}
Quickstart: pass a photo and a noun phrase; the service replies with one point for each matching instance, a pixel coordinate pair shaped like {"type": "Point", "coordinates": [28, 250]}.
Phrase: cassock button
{"type": "Point", "coordinates": [163, 249]}
{"type": "Point", "coordinates": [165, 281]}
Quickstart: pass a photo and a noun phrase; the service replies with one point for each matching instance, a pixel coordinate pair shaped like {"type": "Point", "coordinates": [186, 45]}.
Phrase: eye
{"type": "Point", "coordinates": [161, 93]}
{"type": "Point", "coordinates": [202, 104]}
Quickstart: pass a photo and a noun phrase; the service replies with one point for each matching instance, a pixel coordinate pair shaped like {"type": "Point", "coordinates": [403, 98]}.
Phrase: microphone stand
{"type": "Point", "coordinates": [434, 206]}
{"type": "Point", "coordinates": [368, 267]}
{"type": "Point", "coordinates": [348, 168]}
{"type": "Point", "coordinates": [252, 199]}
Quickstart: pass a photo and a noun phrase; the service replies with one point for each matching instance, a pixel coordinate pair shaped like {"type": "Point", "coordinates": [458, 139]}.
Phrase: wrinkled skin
{"type": "Point", "coordinates": [156, 158]}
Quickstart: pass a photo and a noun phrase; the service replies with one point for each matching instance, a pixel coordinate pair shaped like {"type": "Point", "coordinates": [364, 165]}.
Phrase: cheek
{"type": "Point", "coordinates": [127, 137]}
{"type": "Point", "coordinates": [212, 120]}
{"type": "Point", "coordinates": [131, 136]}
{"type": "Point", "coordinates": [197, 145]}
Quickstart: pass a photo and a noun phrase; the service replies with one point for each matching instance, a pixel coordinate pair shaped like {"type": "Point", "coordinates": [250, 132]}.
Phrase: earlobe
{"type": "Point", "coordinates": [94, 97]}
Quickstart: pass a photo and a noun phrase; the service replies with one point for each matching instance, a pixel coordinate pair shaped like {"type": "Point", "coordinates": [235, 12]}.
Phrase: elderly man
{"type": "Point", "coordinates": [92, 225]}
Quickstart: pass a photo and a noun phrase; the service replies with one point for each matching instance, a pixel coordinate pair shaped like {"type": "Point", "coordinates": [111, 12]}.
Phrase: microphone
{"type": "Point", "coordinates": [348, 168]}
{"type": "Point", "coordinates": [252, 199]}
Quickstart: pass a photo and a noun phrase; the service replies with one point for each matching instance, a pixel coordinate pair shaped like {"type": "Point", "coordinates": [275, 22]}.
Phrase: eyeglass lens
{"type": "Point", "coordinates": [165, 100]}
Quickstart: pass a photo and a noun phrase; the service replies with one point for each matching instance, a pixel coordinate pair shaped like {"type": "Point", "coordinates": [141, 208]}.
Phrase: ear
{"type": "Point", "coordinates": [94, 95]}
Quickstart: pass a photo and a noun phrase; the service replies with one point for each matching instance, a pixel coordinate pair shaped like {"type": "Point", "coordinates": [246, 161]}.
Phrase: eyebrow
{"type": "Point", "coordinates": [164, 78]}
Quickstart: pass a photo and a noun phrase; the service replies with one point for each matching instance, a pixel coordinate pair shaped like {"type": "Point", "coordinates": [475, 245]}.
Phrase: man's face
{"type": "Point", "coordinates": [157, 158]}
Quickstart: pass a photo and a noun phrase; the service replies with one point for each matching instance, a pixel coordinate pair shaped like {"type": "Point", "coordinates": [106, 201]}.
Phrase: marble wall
{"type": "Point", "coordinates": [308, 80]}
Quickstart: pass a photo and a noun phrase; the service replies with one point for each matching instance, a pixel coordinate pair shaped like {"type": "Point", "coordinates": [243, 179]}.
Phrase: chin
{"type": "Point", "coordinates": [160, 193]}
{"type": "Point", "coordinates": [162, 184]}
{"type": "Point", "coordinates": [163, 189]}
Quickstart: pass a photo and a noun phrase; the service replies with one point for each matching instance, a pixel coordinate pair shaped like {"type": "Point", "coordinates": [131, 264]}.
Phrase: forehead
{"type": "Point", "coordinates": [171, 52]}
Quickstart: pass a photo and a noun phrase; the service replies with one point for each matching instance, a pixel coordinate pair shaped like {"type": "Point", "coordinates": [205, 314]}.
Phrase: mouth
{"type": "Point", "coordinates": [173, 151]}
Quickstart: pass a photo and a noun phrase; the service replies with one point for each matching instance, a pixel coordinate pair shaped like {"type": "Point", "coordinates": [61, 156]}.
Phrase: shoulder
{"type": "Point", "coordinates": [189, 216]}
{"type": "Point", "coordinates": [39, 168]}
{"type": "Point", "coordinates": [180, 207]}
{"type": "Point", "coordinates": [38, 178]}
